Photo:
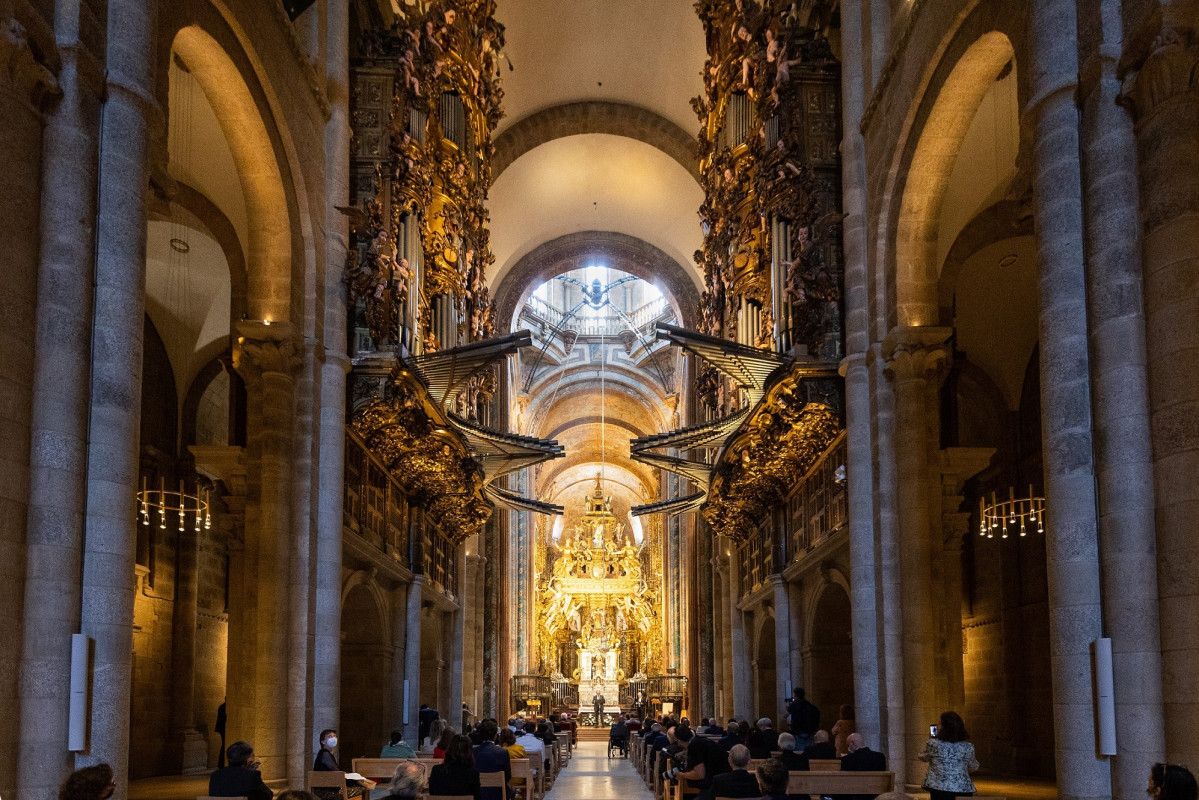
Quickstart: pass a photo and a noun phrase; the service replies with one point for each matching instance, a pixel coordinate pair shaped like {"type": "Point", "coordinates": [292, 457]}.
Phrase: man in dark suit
{"type": "Point", "coordinates": [820, 747]}
{"type": "Point", "coordinates": [770, 737]}
{"type": "Point", "coordinates": [241, 778]}
{"type": "Point", "coordinates": [598, 703]}
{"type": "Point", "coordinates": [490, 757]}
{"type": "Point", "coordinates": [861, 759]}
{"type": "Point", "coordinates": [739, 782]}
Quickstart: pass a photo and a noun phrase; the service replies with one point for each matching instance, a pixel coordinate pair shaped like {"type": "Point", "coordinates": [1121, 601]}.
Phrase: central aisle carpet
{"type": "Point", "coordinates": [591, 775]}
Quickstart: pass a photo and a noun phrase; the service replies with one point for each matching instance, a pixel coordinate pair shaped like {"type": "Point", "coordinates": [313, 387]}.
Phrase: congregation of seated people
{"type": "Point", "coordinates": [745, 759]}
{"type": "Point", "coordinates": [716, 760]}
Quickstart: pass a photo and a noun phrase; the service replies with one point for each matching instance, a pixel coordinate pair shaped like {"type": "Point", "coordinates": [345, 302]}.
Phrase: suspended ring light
{"type": "Point", "coordinates": [1024, 513]}
{"type": "Point", "coordinates": [163, 503]}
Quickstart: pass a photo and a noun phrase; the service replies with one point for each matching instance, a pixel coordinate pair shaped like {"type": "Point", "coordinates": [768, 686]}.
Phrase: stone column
{"type": "Point", "coordinates": [1075, 611]}
{"type": "Point", "coordinates": [62, 368]}
{"type": "Point", "coordinates": [457, 626]}
{"type": "Point", "coordinates": [886, 525]}
{"type": "Point", "coordinates": [915, 359]}
{"type": "Point", "coordinates": [796, 634]}
{"type": "Point", "coordinates": [399, 648]}
{"type": "Point", "coordinates": [25, 83]}
{"type": "Point", "coordinates": [860, 23]}
{"type": "Point", "coordinates": [1120, 382]}
{"type": "Point", "coordinates": [267, 356]}
{"type": "Point", "coordinates": [130, 111]}
{"type": "Point", "coordinates": [332, 373]}
{"type": "Point", "coordinates": [412, 657]}
{"type": "Point", "coordinates": [189, 747]}
{"type": "Point", "coordinates": [864, 605]}
{"type": "Point", "coordinates": [742, 687]}
{"type": "Point", "coordinates": [782, 649]}
{"type": "Point", "coordinates": [474, 600]}
{"type": "Point", "coordinates": [326, 679]}
{"type": "Point", "coordinates": [880, 38]}
{"type": "Point", "coordinates": [721, 684]}
{"type": "Point", "coordinates": [493, 657]}
{"type": "Point", "coordinates": [300, 607]}
{"type": "Point", "coordinates": [1166, 105]}
{"type": "Point", "coordinates": [956, 465]}
{"type": "Point", "coordinates": [705, 609]}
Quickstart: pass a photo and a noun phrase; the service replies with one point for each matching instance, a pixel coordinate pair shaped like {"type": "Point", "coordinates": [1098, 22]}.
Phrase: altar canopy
{"type": "Point", "coordinates": [598, 604]}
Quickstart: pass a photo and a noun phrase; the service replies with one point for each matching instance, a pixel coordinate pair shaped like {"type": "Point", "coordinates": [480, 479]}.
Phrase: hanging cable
{"type": "Point", "coordinates": [603, 413]}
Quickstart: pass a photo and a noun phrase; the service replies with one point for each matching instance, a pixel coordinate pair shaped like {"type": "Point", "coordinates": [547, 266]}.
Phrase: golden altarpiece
{"type": "Point", "coordinates": [599, 618]}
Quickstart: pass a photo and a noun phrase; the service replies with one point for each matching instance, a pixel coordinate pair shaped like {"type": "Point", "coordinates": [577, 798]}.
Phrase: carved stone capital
{"type": "Point", "coordinates": [263, 348]}
{"type": "Point", "coordinates": [1168, 72]}
{"type": "Point", "coordinates": [916, 353]}
{"type": "Point", "coordinates": [21, 72]}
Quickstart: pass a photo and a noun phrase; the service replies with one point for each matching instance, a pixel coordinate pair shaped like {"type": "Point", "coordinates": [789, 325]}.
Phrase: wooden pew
{"type": "Point", "coordinates": [380, 770]}
{"type": "Point", "coordinates": [684, 789]}
{"type": "Point", "coordinates": [832, 783]}
{"type": "Point", "coordinates": [523, 768]}
{"type": "Point", "coordinates": [824, 765]}
{"type": "Point", "coordinates": [328, 780]}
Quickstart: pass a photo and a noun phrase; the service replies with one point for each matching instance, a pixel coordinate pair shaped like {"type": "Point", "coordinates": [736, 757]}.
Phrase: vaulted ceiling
{"type": "Point", "coordinates": [598, 140]}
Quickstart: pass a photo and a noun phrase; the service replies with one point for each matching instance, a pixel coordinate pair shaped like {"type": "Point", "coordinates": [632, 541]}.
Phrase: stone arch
{"type": "Point", "coordinates": [366, 579]}
{"type": "Point", "coordinates": [927, 174]}
{"type": "Point", "coordinates": [828, 653]}
{"type": "Point", "coordinates": [576, 381]}
{"type": "Point", "coordinates": [765, 666]}
{"type": "Point", "coordinates": [595, 116]}
{"type": "Point", "coordinates": [365, 657]}
{"type": "Point", "coordinates": [269, 249]}
{"type": "Point", "coordinates": [216, 365]}
{"type": "Point", "coordinates": [1005, 219]}
{"type": "Point", "coordinates": [577, 250]}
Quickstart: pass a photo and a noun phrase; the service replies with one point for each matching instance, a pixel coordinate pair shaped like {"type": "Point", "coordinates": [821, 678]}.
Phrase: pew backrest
{"type": "Point", "coordinates": [833, 783]}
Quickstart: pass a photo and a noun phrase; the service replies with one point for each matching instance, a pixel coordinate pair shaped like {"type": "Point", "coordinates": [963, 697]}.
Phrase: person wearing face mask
{"type": "Point", "coordinates": [326, 761]}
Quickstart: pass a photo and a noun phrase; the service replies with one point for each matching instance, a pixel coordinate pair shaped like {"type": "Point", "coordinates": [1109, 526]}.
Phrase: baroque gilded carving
{"type": "Point", "coordinates": [775, 450]}
{"type": "Point", "coordinates": [432, 467]}
{"type": "Point", "coordinates": [770, 168]}
{"type": "Point", "coordinates": [425, 98]}
{"type": "Point", "coordinates": [21, 70]}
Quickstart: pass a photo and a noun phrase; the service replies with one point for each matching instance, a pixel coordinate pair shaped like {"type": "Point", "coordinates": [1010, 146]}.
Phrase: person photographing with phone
{"type": "Point", "coordinates": [950, 757]}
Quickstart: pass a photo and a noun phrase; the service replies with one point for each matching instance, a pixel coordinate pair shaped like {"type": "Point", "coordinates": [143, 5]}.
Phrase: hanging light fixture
{"type": "Point", "coordinates": [163, 503]}
{"type": "Point", "coordinates": [1014, 513]}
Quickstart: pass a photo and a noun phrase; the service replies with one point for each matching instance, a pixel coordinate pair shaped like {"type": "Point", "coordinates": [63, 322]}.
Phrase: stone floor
{"type": "Point", "coordinates": [590, 775]}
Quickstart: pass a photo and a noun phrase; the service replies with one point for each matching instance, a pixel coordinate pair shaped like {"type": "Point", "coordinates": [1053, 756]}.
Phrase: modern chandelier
{"type": "Point", "coordinates": [165, 503]}
{"type": "Point", "coordinates": [1024, 512]}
